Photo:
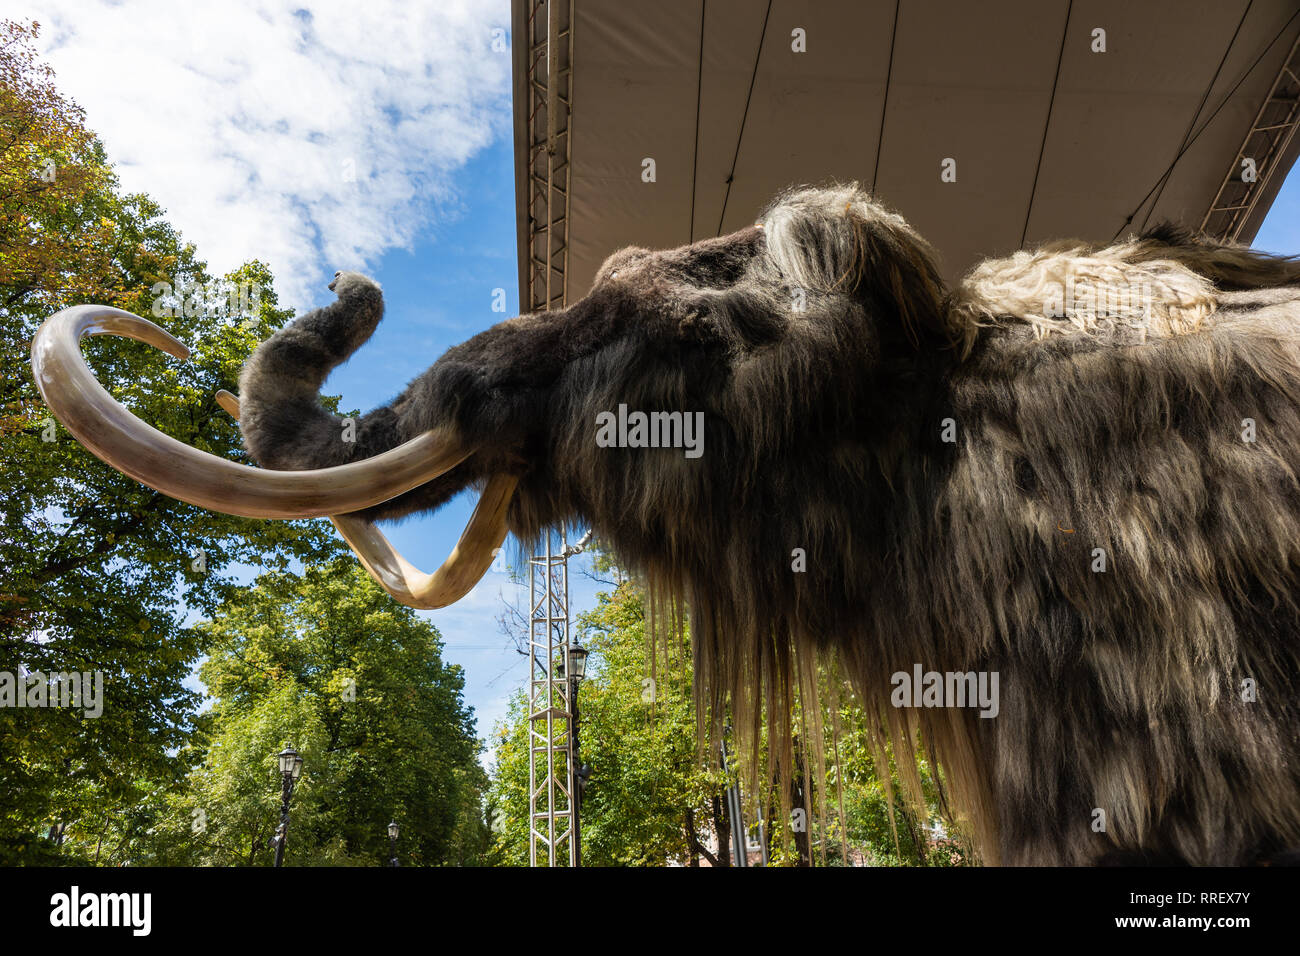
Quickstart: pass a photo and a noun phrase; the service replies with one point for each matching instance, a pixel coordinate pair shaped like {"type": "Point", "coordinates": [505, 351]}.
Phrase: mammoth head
{"type": "Point", "coordinates": [704, 409]}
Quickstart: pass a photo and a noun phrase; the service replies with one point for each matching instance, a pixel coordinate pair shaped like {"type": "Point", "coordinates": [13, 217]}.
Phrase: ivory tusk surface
{"type": "Point", "coordinates": [113, 434]}
{"type": "Point", "coordinates": [464, 567]}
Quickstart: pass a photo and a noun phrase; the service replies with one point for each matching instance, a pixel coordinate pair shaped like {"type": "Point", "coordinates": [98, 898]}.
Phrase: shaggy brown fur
{"type": "Point", "coordinates": [827, 358]}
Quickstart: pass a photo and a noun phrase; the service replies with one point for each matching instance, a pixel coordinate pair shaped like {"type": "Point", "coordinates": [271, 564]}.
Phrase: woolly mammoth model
{"type": "Point", "coordinates": [1071, 482]}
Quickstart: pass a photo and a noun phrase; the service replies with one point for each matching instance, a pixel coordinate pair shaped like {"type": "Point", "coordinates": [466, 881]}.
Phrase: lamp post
{"type": "Point", "coordinates": [393, 831]}
{"type": "Point", "coordinates": [290, 771]}
{"type": "Point", "coordinates": [576, 670]}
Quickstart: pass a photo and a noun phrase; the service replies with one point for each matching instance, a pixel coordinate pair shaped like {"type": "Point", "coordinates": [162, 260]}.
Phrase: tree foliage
{"type": "Point", "coordinates": [97, 572]}
{"type": "Point", "coordinates": [656, 795]}
{"type": "Point", "coordinates": [327, 662]}
{"type": "Point", "coordinates": [650, 793]}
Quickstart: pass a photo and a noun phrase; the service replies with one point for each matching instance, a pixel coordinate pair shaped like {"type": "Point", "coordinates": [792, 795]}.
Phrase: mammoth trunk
{"type": "Point", "coordinates": [481, 396]}
{"type": "Point", "coordinates": [284, 425]}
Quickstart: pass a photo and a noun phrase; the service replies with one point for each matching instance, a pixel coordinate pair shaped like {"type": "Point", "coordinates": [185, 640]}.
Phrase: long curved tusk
{"type": "Point", "coordinates": [466, 564]}
{"type": "Point", "coordinates": [115, 435]}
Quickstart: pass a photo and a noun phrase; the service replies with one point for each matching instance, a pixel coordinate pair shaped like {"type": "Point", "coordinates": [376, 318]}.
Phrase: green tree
{"type": "Point", "coordinates": [328, 662]}
{"type": "Point", "coordinates": [651, 799]}
{"type": "Point", "coordinates": [890, 832]}
{"type": "Point", "coordinates": [56, 230]}
{"type": "Point", "coordinates": [656, 798]}
{"type": "Point", "coordinates": [97, 572]}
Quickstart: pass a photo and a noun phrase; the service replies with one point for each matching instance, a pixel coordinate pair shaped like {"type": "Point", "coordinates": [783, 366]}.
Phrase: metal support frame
{"type": "Point", "coordinates": [553, 785]}
{"type": "Point", "coordinates": [1266, 143]}
{"type": "Point", "coordinates": [551, 782]}
{"type": "Point", "coordinates": [550, 95]}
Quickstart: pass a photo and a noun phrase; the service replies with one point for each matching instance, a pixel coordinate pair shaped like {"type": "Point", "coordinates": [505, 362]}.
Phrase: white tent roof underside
{"type": "Point", "coordinates": [1049, 138]}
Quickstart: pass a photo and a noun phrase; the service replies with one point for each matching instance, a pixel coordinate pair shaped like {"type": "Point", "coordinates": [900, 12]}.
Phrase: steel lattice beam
{"type": "Point", "coordinates": [549, 86]}
{"type": "Point", "coordinates": [550, 738]}
{"type": "Point", "coordinates": [543, 39]}
{"type": "Point", "coordinates": [1266, 143]}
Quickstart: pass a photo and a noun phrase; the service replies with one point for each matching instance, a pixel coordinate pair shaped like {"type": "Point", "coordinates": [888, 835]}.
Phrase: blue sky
{"type": "Point", "coordinates": [439, 293]}
{"type": "Point", "coordinates": [277, 136]}
{"type": "Point", "coordinates": [1280, 231]}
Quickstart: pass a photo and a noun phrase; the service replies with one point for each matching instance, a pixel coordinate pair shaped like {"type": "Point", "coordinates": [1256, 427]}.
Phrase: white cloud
{"type": "Point", "coordinates": [312, 135]}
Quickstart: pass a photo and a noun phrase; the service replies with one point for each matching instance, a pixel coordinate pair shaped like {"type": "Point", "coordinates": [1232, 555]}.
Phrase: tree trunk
{"type": "Point", "coordinates": [802, 838]}
{"type": "Point", "coordinates": [722, 827]}
{"type": "Point", "coordinates": [698, 849]}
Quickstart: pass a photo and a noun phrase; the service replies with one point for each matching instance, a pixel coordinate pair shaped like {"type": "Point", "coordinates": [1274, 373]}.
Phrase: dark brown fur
{"type": "Point", "coordinates": [1120, 690]}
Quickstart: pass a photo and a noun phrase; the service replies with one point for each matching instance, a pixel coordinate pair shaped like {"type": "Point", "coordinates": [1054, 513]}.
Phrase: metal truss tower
{"type": "Point", "coordinates": [551, 789]}
{"type": "Point", "coordinates": [543, 35]}
{"type": "Point", "coordinates": [543, 123]}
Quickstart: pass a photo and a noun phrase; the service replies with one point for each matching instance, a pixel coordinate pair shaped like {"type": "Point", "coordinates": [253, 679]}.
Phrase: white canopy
{"type": "Point", "coordinates": [1061, 118]}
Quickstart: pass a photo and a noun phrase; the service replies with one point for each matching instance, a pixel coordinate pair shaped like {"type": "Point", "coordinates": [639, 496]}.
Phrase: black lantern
{"type": "Point", "coordinates": [577, 662]}
{"type": "Point", "coordinates": [393, 830]}
{"type": "Point", "coordinates": [290, 770]}
{"type": "Point", "coordinates": [291, 762]}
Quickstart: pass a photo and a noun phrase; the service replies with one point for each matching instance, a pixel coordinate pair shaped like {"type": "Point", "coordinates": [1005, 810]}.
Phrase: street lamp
{"type": "Point", "coordinates": [576, 670]}
{"type": "Point", "coordinates": [291, 762]}
{"type": "Point", "coordinates": [393, 831]}
{"type": "Point", "coordinates": [577, 662]}
{"type": "Point", "coordinates": [290, 771]}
